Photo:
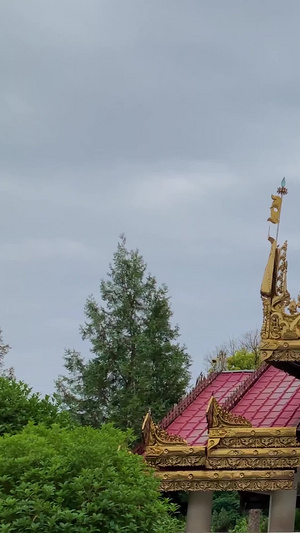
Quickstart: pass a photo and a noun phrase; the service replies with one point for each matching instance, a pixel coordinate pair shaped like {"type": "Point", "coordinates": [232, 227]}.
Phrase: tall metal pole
{"type": "Point", "coordinates": [282, 190]}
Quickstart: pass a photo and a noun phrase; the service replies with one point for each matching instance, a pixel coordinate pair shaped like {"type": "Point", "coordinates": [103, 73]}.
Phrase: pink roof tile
{"type": "Point", "coordinates": [274, 400]}
{"type": "Point", "coordinates": [191, 424]}
{"type": "Point", "coordinates": [268, 398]}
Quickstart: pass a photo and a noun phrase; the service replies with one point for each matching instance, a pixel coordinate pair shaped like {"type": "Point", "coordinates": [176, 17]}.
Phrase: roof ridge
{"type": "Point", "coordinates": [243, 388]}
{"type": "Point", "coordinates": [187, 400]}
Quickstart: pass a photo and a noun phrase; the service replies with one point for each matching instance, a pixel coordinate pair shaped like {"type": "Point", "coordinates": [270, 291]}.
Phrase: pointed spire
{"type": "Point", "coordinates": [282, 190]}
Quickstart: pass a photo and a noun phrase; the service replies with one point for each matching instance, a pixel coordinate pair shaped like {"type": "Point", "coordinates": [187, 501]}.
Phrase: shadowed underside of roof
{"type": "Point", "coordinates": [267, 398]}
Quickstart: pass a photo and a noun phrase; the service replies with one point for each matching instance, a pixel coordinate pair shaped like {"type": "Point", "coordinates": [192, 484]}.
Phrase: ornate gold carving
{"type": "Point", "coordinates": [252, 432]}
{"type": "Point", "coordinates": [175, 449]}
{"type": "Point", "coordinates": [175, 455]}
{"type": "Point", "coordinates": [218, 417]}
{"type": "Point", "coordinates": [206, 475]}
{"type": "Point", "coordinates": [275, 209]}
{"type": "Point", "coordinates": [259, 442]}
{"type": "Point", "coordinates": [255, 452]}
{"type": "Point", "coordinates": [212, 443]}
{"type": "Point", "coordinates": [248, 485]}
{"type": "Point", "coordinates": [265, 438]}
{"type": "Point", "coordinates": [285, 355]}
{"type": "Point", "coordinates": [262, 480]}
{"type": "Point", "coordinates": [267, 283]}
{"type": "Point", "coordinates": [258, 458]}
{"type": "Point", "coordinates": [252, 462]}
{"type": "Point", "coordinates": [153, 434]}
{"type": "Point", "coordinates": [281, 317]}
{"type": "Point", "coordinates": [175, 460]}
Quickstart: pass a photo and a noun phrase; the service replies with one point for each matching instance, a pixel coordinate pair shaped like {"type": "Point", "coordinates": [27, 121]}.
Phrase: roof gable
{"type": "Point", "coordinates": [268, 397]}
{"type": "Point", "coordinates": [191, 424]}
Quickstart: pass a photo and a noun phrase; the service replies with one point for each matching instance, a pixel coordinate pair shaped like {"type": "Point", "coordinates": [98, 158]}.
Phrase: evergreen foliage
{"type": "Point", "coordinates": [226, 511]}
{"type": "Point", "coordinates": [4, 349]}
{"type": "Point", "coordinates": [77, 481]}
{"type": "Point", "coordinates": [137, 362]}
{"type": "Point", "coordinates": [20, 406]}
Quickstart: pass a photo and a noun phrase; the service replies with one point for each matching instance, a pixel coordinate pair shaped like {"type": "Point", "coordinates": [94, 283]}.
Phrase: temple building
{"type": "Point", "coordinates": [238, 430]}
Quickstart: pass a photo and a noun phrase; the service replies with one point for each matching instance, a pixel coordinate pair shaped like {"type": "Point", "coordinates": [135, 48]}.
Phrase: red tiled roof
{"type": "Point", "coordinates": [191, 424]}
{"type": "Point", "coordinates": [274, 400]}
{"type": "Point", "coordinates": [267, 398]}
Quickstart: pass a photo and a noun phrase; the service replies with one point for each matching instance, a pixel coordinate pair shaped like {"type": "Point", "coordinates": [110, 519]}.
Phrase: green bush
{"type": "Point", "coordinates": [19, 406]}
{"type": "Point", "coordinates": [78, 480]}
{"type": "Point", "coordinates": [226, 510]}
{"type": "Point", "coordinates": [241, 525]}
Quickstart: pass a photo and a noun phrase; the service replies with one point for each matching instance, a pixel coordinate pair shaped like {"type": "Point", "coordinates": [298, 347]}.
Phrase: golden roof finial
{"type": "Point", "coordinates": [280, 335]}
{"type": "Point", "coordinates": [276, 205]}
{"type": "Point", "coordinates": [268, 288]}
{"type": "Point", "coordinates": [282, 189]}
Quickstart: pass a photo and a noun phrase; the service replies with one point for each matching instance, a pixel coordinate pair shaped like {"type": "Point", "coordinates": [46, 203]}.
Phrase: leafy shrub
{"type": "Point", "coordinates": [79, 480]}
{"type": "Point", "coordinates": [19, 406]}
{"type": "Point", "coordinates": [226, 510]}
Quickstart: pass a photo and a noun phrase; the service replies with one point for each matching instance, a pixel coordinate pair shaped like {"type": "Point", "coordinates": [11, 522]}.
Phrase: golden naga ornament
{"type": "Point", "coordinates": [153, 435]}
{"type": "Point", "coordinates": [218, 417]}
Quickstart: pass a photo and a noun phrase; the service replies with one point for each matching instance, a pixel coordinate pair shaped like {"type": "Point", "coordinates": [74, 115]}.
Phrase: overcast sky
{"type": "Point", "coordinates": [172, 121]}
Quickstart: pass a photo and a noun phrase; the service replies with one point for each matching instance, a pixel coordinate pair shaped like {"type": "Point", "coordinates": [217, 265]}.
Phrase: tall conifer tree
{"type": "Point", "coordinates": [137, 362]}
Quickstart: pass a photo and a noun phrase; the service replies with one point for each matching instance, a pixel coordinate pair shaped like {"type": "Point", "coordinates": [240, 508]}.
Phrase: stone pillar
{"type": "Point", "coordinates": [254, 521]}
{"type": "Point", "coordinates": [199, 512]}
{"type": "Point", "coordinates": [282, 511]}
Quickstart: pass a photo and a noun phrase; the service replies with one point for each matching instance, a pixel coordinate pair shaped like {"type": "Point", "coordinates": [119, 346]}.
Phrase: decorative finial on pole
{"type": "Point", "coordinates": [282, 190]}
{"type": "Point", "coordinates": [267, 286]}
{"type": "Point", "coordinates": [276, 205]}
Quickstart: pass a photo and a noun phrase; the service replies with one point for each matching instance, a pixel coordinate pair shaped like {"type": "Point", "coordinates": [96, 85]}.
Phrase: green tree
{"type": "Point", "coordinates": [19, 406]}
{"type": "Point", "coordinates": [137, 362]}
{"type": "Point", "coordinates": [241, 360]}
{"type": "Point", "coordinates": [241, 525]}
{"type": "Point", "coordinates": [77, 481]}
{"type": "Point", "coordinates": [226, 510]}
{"type": "Point", "coordinates": [248, 343]}
{"type": "Point", "coordinates": [4, 349]}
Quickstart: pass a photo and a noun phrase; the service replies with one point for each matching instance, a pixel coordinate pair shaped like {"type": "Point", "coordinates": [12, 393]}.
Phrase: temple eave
{"type": "Point", "coordinates": [262, 480]}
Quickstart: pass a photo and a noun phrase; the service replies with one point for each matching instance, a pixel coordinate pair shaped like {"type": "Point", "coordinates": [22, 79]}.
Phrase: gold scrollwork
{"type": "Point", "coordinates": [218, 417]}
{"type": "Point", "coordinates": [225, 475]}
{"type": "Point", "coordinates": [215, 485]}
{"type": "Point", "coordinates": [176, 461]}
{"type": "Point", "coordinates": [259, 442]}
{"type": "Point", "coordinates": [281, 316]}
{"type": "Point", "coordinates": [285, 355]}
{"type": "Point", "coordinates": [153, 434]}
{"type": "Point", "coordinates": [252, 462]}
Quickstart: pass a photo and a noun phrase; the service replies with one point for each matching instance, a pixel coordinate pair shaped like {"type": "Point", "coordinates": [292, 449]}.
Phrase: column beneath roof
{"type": "Point", "coordinates": [282, 511]}
{"type": "Point", "coordinates": [199, 512]}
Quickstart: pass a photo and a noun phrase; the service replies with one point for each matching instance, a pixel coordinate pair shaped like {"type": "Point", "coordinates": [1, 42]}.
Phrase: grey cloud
{"type": "Point", "coordinates": [172, 121]}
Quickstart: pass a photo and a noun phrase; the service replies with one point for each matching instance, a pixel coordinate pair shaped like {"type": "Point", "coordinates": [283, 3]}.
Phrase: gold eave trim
{"type": "Point", "coordinates": [206, 475]}
{"type": "Point", "coordinates": [175, 456]}
{"type": "Point", "coordinates": [252, 485]}
{"type": "Point", "coordinates": [254, 452]}
{"type": "Point", "coordinates": [273, 345]}
{"type": "Point", "coordinates": [263, 480]}
{"type": "Point", "coordinates": [252, 432]}
{"type": "Point", "coordinates": [154, 451]}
